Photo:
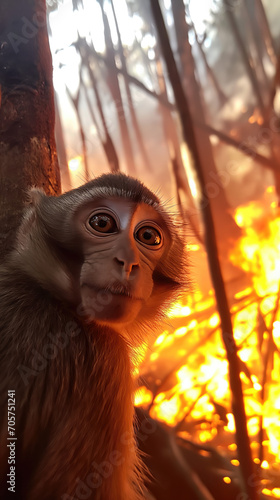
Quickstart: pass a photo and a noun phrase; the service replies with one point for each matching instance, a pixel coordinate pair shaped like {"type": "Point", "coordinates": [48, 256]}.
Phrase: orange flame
{"type": "Point", "coordinates": [188, 362]}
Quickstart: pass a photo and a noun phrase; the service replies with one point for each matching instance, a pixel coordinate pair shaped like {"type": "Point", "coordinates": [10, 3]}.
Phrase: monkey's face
{"type": "Point", "coordinates": [123, 242]}
{"type": "Point", "coordinates": [108, 249]}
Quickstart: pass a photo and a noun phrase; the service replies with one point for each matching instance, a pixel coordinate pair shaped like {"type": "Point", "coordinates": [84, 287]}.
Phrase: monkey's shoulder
{"type": "Point", "coordinates": [32, 318]}
{"type": "Point", "coordinates": [43, 340]}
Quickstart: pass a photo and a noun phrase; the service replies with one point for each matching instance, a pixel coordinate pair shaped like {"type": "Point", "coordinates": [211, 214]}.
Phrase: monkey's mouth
{"type": "Point", "coordinates": [116, 288]}
{"type": "Point", "coordinates": [114, 303]}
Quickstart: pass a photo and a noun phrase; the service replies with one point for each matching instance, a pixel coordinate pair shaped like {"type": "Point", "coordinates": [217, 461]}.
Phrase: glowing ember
{"type": "Point", "coordinates": [227, 480]}
{"type": "Point", "coordinates": [143, 397]}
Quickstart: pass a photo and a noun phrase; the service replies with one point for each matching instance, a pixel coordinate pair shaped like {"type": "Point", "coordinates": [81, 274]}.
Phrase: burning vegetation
{"type": "Point", "coordinates": [135, 102]}
{"type": "Point", "coordinates": [184, 376]}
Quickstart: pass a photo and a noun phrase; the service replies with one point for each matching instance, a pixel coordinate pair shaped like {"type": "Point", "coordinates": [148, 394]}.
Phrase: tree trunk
{"type": "Point", "coordinates": [61, 148]}
{"type": "Point", "coordinates": [242, 440]}
{"type": "Point", "coordinates": [113, 84]}
{"type": "Point", "coordinates": [243, 51]}
{"type": "Point", "coordinates": [134, 119]}
{"type": "Point", "coordinates": [104, 135]}
{"type": "Point", "coordinates": [27, 145]}
{"type": "Point", "coordinates": [225, 225]}
{"type": "Point", "coordinates": [257, 46]}
{"type": "Point", "coordinates": [265, 31]}
{"type": "Point", "coordinates": [183, 191]}
{"type": "Point", "coordinates": [210, 73]}
{"type": "Point", "coordinates": [75, 100]}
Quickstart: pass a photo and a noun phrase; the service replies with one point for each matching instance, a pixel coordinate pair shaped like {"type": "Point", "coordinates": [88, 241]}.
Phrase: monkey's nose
{"type": "Point", "coordinates": [127, 268]}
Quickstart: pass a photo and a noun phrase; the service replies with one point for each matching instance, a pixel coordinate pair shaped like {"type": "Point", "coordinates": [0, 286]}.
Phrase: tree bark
{"type": "Point", "coordinates": [27, 144]}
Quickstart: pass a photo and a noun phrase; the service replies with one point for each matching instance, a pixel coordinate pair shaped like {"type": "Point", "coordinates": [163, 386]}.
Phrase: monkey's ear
{"type": "Point", "coordinates": [35, 196]}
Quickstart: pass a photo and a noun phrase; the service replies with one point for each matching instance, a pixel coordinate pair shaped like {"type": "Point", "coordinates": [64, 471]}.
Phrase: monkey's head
{"type": "Point", "coordinates": [107, 248]}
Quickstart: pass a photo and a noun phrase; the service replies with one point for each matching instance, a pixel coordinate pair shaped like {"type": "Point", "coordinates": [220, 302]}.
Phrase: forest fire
{"type": "Point", "coordinates": [184, 378]}
{"type": "Point", "coordinates": [185, 98]}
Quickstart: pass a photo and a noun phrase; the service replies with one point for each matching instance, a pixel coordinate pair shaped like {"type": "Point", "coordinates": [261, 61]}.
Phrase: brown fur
{"type": "Point", "coordinates": [72, 377]}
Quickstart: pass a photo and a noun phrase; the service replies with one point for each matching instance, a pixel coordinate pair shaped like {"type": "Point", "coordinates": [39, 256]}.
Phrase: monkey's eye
{"type": "Point", "coordinates": [149, 236]}
{"type": "Point", "coordinates": [103, 223]}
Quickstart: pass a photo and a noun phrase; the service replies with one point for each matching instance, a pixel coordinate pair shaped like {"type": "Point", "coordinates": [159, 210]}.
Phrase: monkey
{"type": "Point", "coordinates": [91, 274]}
